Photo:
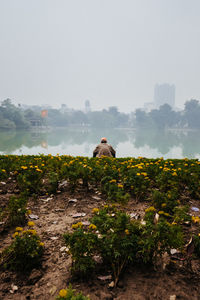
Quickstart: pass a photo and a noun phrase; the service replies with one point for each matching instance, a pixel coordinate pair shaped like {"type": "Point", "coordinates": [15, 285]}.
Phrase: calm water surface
{"type": "Point", "coordinates": [82, 141]}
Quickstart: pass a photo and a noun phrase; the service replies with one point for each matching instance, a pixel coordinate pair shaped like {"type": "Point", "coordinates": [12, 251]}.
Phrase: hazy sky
{"type": "Point", "coordinates": [111, 52]}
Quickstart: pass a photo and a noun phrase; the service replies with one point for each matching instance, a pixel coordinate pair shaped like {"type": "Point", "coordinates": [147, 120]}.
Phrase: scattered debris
{"type": "Point", "coordinates": [53, 238]}
{"type": "Point", "coordinates": [172, 297]}
{"type": "Point", "coordinates": [33, 217]}
{"type": "Point", "coordinates": [173, 251]}
{"type": "Point", "coordinates": [78, 215]}
{"type": "Point", "coordinates": [111, 284]}
{"type": "Point", "coordinates": [14, 288]}
{"type": "Point", "coordinates": [96, 198]}
{"type": "Point", "coordinates": [59, 209]}
{"type": "Point", "coordinates": [72, 200]}
{"type": "Point", "coordinates": [47, 200]}
{"type": "Point", "coordinates": [106, 277]}
{"type": "Point", "coordinates": [134, 216]}
{"type": "Point", "coordinates": [2, 182]}
{"type": "Point", "coordinates": [195, 208]}
{"type": "Point", "coordinates": [156, 218]}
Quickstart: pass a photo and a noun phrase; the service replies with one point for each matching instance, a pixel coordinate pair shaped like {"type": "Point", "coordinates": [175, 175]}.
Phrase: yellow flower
{"type": "Point", "coordinates": [24, 167]}
{"type": "Point", "coordinates": [120, 185]}
{"type": "Point", "coordinates": [77, 225]}
{"type": "Point", "coordinates": [63, 293]}
{"type": "Point", "coordinates": [195, 219]}
{"type": "Point", "coordinates": [174, 174]}
{"type": "Point", "coordinates": [15, 234]}
{"type": "Point", "coordinates": [28, 211]}
{"type": "Point", "coordinates": [138, 174]}
{"type": "Point", "coordinates": [31, 224]}
{"type": "Point", "coordinates": [3, 170]}
{"type": "Point", "coordinates": [93, 227]}
{"type": "Point", "coordinates": [19, 229]}
{"type": "Point", "coordinates": [112, 181]}
{"type": "Point", "coordinates": [150, 209]}
{"type": "Point", "coordinates": [41, 244]}
{"type": "Point", "coordinates": [127, 232]}
{"type": "Point", "coordinates": [95, 210]}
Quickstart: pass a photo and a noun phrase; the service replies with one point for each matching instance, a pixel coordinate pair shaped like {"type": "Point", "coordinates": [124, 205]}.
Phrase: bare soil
{"type": "Point", "coordinates": [169, 281]}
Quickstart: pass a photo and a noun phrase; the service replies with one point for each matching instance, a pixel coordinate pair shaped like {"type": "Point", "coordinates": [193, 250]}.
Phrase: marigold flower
{"type": "Point", "coordinates": [24, 167]}
{"type": "Point", "coordinates": [41, 244]}
{"type": "Point", "coordinates": [63, 293]}
{"type": "Point", "coordinates": [195, 219]}
{"type": "Point", "coordinates": [127, 231]}
{"type": "Point", "coordinates": [150, 209]}
{"type": "Point", "coordinates": [19, 229]}
{"type": "Point", "coordinates": [93, 227]}
{"type": "Point", "coordinates": [15, 234]}
{"type": "Point", "coordinates": [120, 185]}
{"type": "Point", "coordinates": [31, 224]}
{"type": "Point", "coordinates": [95, 210]}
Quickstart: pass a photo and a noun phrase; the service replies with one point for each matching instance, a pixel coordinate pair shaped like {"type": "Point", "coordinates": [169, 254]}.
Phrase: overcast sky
{"type": "Point", "coordinates": [111, 52]}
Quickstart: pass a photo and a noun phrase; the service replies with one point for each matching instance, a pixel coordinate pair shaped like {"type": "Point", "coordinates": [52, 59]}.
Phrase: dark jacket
{"type": "Point", "coordinates": [104, 149]}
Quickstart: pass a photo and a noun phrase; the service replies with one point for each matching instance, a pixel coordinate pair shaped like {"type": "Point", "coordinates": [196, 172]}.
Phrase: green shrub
{"type": "Point", "coordinates": [25, 251]}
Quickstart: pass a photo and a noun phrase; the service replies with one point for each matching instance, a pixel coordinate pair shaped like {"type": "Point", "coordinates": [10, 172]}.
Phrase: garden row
{"type": "Point", "coordinates": [111, 234]}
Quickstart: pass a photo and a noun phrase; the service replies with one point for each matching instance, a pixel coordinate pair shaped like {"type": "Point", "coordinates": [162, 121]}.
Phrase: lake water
{"type": "Point", "coordinates": [82, 141]}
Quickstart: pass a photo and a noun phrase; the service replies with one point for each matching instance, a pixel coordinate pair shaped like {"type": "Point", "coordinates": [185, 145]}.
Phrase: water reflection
{"type": "Point", "coordinates": [81, 141]}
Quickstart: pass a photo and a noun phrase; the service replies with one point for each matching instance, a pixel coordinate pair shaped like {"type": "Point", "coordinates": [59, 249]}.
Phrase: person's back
{"type": "Point", "coordinates": [104, 149]}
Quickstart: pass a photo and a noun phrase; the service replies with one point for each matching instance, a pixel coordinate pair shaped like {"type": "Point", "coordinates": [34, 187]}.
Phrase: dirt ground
{"type": "Point", "coordinates": [56, 214]}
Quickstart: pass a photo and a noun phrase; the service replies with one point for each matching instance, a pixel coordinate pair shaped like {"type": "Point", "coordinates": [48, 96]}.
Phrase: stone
{"type": "Point", "coordinates": [78, 215]}
{"type": "Point", "coordinates": [106, 277]}
{"type": "Point", "coordinates": [33, 217]}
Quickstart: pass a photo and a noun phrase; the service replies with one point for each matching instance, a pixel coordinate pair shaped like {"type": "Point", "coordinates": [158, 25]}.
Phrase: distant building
{"type": "Point", "coordinates": [87, 106]}
{"type": "Point", "coordinates": [164, 94]}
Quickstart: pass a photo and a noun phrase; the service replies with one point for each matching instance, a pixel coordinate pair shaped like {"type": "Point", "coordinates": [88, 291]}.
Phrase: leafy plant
{"type": "Point", "coordinates": [15, 213]}
{"type": "Point", "coordinates": [25, 251]}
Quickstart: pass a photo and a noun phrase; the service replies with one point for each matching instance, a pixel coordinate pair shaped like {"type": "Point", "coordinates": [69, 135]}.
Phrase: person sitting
{"type": "Point", "coordinates": [104, 149]}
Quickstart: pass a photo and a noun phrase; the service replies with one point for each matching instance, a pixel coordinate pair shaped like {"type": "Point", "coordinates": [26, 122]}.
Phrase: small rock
{"type": "Point", "coordinates": [54, 222]}
{"type": "Point", "coordinates": [33, 217]}
{"type": "Point", "coordinates": [172, 297]}
{"type": "Point", "coordinates": [53, 238]}
{"type": "Point", "coordinates": [78, 215]}
{"type": "Point", "coordinates": [2, 182]}
{"type": "Point", "coordinates": [86, 223]}
{"type": "Point", "coordinates": [72, 200]}
{"type": "Point", "coordinates": [135, 216]}
{"type": "Point", "coordinates": [64, 248]}
{"type": "Point", "coordinates": [14, 288]}
{"type": "Point", "coordinates": [106, 277]}
{"type": "Point", "coordinates": [173, 251]}
{"type": "Point", "coordinates": [111, 284]}
{"type": "Point", "coordinates": [195, 208]}
{"type": "Point", "coordinates": [59, 209]}
{"type": "Point", "coordinates": [96, 198]}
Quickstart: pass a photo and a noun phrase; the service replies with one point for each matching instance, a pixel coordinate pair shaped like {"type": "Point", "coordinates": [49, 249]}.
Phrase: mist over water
{"type": "Point", "coordinates": [82, 141]}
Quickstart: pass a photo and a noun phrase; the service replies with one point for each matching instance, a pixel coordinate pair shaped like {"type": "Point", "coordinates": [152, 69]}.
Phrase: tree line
{"type": "Point", "coordinates": [16, 117]}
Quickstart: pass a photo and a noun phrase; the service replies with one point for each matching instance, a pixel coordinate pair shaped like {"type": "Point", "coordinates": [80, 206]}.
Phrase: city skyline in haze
{"type": "Point", "coordinates": [111, 52]}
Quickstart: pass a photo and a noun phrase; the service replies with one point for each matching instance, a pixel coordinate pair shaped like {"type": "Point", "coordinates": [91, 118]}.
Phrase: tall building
{"type": "Point", "coordinates": [87, 106]}
{"type": "Point", "coordinates": [164, 94]}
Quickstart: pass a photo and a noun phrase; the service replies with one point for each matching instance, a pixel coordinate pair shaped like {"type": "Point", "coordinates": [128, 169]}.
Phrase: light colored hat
{"type": "Point", "coordinates": [104, 140]}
